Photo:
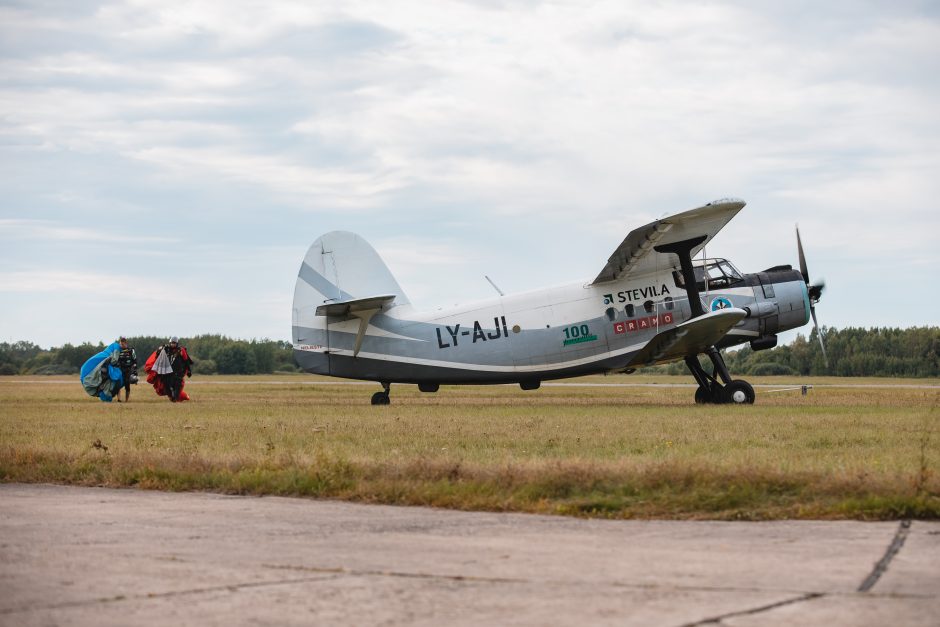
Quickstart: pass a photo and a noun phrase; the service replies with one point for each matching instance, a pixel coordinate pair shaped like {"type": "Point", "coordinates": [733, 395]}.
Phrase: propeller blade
{"type": "Point", "coordinates": [812, 311]}
{"type": "Point", "coordinates": [814, 292]}
{"type": "Point", "coordinates": [799, 247]}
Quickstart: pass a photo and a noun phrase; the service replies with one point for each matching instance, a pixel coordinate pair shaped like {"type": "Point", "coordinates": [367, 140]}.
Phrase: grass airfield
{"type": "Point", "coordinates": [587, 450]}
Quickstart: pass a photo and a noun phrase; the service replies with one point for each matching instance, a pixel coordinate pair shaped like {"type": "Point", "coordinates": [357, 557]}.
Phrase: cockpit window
{"type": "Point", "coordinates": [721, 274]}
{"type": "Point", "coordinates": [730, 271]}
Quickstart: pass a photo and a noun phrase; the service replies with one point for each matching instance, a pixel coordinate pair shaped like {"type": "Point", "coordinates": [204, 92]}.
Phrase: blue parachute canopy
{"type": "Point", "coordinates": [100, 375]}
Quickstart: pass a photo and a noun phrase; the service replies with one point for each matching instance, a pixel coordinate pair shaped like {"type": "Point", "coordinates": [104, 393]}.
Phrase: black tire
{"type": "Point", "coordinates": [380, 398]}
{"type": "Point", "coordinates": [739, 392]}
{"type": "Point", "coordinates": [702, 396]}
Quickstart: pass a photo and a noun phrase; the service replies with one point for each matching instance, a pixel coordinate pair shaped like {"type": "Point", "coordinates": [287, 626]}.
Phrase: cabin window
{"type": "Point", "coordinates": [648, 306]}
{"type": "Point", "coordinates": [669, 303]}
{"type": "Point", "coordinates": [611, 314]}
{"type": "Point", "coordinates": [630, 310]}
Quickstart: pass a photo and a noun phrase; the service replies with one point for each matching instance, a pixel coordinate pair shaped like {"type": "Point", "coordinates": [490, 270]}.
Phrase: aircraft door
{"type": "Point", "coordinates": [532, 345]}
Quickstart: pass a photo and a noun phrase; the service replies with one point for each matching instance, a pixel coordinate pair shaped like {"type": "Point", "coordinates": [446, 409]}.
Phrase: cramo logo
{"type": "Point", "coordinates": [636, 294]}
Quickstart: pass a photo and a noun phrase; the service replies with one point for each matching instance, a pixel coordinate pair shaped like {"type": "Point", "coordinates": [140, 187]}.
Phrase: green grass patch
{"type": "Point", "coordinates": [605, 452]}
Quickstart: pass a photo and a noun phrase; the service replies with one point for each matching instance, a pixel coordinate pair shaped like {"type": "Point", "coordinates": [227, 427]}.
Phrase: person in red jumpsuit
{"type": "Point", "coordinates": [167, 367]}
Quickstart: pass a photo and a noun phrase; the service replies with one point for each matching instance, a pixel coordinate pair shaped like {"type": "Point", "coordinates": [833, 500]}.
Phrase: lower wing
{"type": "Point", "coordinates": [689, 338]}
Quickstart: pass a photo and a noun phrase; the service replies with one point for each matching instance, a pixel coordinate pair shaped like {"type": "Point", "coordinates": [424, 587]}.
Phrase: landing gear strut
{"type": "Point", "coordinates": [710, 389]}
{"type": "Point", "coordinates": [381, 398]}
{"type": "Point", "coordinates": [718, 387]}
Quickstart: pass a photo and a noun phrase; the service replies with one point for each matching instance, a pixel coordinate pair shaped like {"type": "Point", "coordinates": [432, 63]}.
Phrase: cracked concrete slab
{"type": "Point", "coordinates": [119, 557]}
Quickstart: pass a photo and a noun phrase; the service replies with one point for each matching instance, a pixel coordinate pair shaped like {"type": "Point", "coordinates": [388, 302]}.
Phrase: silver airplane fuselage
{"type": "Point", "coordinates": [552, 333]}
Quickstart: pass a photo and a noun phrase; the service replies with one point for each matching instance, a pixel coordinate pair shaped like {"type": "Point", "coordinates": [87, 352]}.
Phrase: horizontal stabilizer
{"type": "Point", "coordinates": [351, 307]}
{"type": "Point", "coordinates": [689, 338]}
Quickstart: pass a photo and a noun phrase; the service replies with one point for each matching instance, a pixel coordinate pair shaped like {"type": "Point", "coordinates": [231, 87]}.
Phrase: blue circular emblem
{"type": "Point", "coordinates": [721, 303]}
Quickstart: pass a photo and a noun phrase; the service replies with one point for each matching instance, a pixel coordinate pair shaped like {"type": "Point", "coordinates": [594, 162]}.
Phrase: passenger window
{"type": "Point", "coordinates": [669, 304]}
{"type": "Point", "coordinates": [648, 306]}
{"type": "Point", "coordinates": [611, 314]}
{"type": "Point", "coordinates": [630, 310]}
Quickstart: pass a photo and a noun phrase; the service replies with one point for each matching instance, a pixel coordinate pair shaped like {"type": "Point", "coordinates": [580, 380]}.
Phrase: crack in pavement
{"type": "Point", "coordinates": [756, 610]}
{"type": "Point", "coordinates": [164, 595]}
{"type": "Point", "coordinates": [342, 570]}
{"type": "Point", "coordinates": [880, 567]}
{"type": "Point", "coordinates": [328, 573]}
{"type": "Point", "coordinates": [899, 537]}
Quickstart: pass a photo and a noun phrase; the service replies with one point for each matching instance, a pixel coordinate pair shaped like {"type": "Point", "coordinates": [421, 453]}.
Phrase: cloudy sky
{"type": "Point", "coordinates": [165, 165]}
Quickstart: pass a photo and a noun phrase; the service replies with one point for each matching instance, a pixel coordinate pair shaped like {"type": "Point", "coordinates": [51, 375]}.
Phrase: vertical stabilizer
{"type": "Point", "coordinates": [339, 266]}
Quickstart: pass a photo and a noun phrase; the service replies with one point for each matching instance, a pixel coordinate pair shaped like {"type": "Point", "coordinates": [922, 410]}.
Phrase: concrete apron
{"type": "Point", "coordinates": [93, 556]}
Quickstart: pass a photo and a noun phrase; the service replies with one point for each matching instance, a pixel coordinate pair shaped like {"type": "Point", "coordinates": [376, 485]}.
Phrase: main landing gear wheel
{"type": "Point", "coordinates": [703, 396]}
{"type": "Point", "coordinates": [739, 392]}
{"type": "Point", "coordinates": [717, 386]}
{"type": "Point", "coordinates": [382, 398]}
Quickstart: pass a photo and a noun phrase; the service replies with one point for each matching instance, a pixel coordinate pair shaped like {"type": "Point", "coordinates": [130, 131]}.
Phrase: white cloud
{"type": "Point", "coordinates": [18, 229]}
{"type": "Point", "coordinates": [125, 291]}
{"type": "Point", "coordinates": [528, 137]}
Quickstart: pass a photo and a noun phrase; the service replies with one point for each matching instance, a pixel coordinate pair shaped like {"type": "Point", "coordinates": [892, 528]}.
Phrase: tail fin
{"type": "Point", "coordinates": [339, 266]}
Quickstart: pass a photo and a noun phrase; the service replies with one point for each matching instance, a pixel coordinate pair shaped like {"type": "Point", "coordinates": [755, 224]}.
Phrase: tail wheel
{"type": "Point", "coordinates": [380, 398]}
{"type": "Point", "coordinates": [739, 392]}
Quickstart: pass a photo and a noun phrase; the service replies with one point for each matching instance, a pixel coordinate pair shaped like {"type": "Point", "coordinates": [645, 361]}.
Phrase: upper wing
{"type": "Point", "coordinates": [635, 255]}
{"type": "Point", "coordinates": [689, 338]}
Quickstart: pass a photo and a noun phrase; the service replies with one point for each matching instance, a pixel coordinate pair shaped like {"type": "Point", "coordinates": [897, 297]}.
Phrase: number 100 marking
{"type": "Point", "coordinates": [577, 331]}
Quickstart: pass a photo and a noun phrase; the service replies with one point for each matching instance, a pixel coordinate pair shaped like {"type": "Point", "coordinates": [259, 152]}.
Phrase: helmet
{"type": "Point", "coordinates": [174, 340]}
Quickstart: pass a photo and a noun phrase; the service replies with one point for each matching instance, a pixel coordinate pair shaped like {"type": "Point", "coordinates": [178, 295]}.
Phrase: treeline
{"type": "Point", "coordinates": [212, 354]}
{"type": "Point", "coordinates": [853, 352]}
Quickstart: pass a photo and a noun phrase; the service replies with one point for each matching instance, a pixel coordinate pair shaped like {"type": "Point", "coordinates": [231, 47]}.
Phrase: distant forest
{"type": "Point", "coordinates": [853, 352]}
{"type": "Point", "coordinates": [212, 354]}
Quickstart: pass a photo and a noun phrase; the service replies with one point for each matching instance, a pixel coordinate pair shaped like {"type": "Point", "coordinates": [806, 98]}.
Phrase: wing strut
{"type": "Point", "coordinates": [683, 250]}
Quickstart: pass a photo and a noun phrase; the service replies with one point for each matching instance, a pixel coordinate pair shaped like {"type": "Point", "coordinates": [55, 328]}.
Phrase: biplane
{"type": "Point", "coordinates": [654, 302]}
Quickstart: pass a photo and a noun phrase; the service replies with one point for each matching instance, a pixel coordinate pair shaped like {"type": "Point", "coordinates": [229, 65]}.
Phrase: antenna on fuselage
{"type": "Point", "coordinates": [499, 291]}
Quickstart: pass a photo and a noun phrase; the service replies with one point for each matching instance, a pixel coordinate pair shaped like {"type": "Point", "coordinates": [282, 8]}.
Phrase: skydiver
{"type": "Point", "coordinates": [171, 365]}
{"type": "Point", "coordinates": [127, 362]}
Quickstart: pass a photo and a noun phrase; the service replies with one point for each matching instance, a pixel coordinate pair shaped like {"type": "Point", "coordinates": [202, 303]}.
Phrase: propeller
{"type": "Point", "coordinates": [815, 293]}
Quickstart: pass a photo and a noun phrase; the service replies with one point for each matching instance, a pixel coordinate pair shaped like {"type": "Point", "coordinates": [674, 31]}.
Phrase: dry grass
{"type": "Point", "coordinates": [603, 451]}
